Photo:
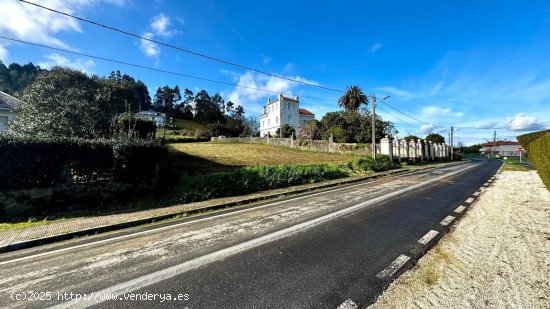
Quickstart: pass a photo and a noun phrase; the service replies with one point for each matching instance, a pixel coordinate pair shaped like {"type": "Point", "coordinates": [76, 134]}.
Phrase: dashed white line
{"type": "Point", "coordinates": [477, 193]}
{"type": "Point", "coordinates": [470, 200]}
{"type": "Point", "coordinates": [348, 304]}
{"type": "Point", "coordinates": [428, 237]}
{"type": "Point", "coordinates": [447, 220]}
{"type": "Point", "coordinates": [486, 184]}
{"type": "Point", "coordinates": [394, 266]}
{"type": "Point", "coordinates": [459, 209]}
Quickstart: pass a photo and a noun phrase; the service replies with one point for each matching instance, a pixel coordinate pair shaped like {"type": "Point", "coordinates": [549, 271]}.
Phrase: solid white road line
{"type": "Point", "coordinates": [469, 200]}
{"type": "Point", "coordinates": [158, 276]}
{"type": "Point", "coordinates": [394, 266]}
{"type": "Point", "coordinates": [198, 220]}
{"type": "Point", "coordinates": [460, 209]}
{"type": "Point", "coordinates": [447, 220]}
{"type": "Point", "coordinates": [428, 237]}
{"type": "Point", "coordinates": [348, 304]}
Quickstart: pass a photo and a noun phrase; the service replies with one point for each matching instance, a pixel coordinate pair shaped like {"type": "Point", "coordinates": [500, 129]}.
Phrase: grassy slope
{"type": "Point", "coordinates": [212, 156]}
{"type": "Point", "coordinates": [188, 124]}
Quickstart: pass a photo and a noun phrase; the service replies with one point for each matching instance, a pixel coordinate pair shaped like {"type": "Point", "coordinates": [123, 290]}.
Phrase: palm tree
{"type": "Point", "coordinates": [353, 98]}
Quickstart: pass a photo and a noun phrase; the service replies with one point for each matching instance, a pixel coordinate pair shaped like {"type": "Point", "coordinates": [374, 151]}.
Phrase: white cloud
{"type": "Point", "coordinates": [161, 26]}
{"type": "Point", "coordinates": [427, 128]}
{"type": "Point", "coordinates": [30, 23]}
{"type": "Point", "coordinates": [397, 92]}
{"type": "Point", "coordinates": [149, 48]}
{"type": "Point", "coordinates": [436, 111]}
{"type": "Point", "coordinates": [253, 99]}
{"type": "Point", "coordinates": [522, 122]}
{"type": "Point", "coordinates": [58, 60]}
{"type": "Point", "coordinates": [266, 59]}
{"type": "Point", "coordinates": [3, 53]}
{"type": "Point", "coordinates": [374, 47]}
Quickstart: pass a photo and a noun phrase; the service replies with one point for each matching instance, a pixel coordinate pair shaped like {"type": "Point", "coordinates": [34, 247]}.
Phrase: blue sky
{"type": "Point", "coordinates": [468, 64]}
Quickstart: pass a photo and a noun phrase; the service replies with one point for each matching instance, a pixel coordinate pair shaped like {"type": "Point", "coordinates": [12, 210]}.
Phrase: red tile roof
{"type": "Point", "coordinates": [500, 143]}
{"type": "Point", "coordinates": [304, 111]}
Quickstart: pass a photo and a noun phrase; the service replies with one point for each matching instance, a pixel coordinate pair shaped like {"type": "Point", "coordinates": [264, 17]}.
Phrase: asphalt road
{"type": "Point", "coordinates": [313, 251]}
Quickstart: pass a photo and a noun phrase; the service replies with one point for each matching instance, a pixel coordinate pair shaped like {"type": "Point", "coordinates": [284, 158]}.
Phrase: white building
{"type": "Point", "coordinates": [283, 111]}
{"type": "Point", "coordinates": [7, 103]}
{"type": "Point", "coordinates": [503, 148]}
{"type": "Point", "coordinates": [158, 118]}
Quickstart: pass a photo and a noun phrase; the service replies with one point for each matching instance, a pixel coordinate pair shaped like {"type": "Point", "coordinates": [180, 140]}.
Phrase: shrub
{"type": "Point", "coordinates": [367, 163]}
{"type": "Point", "coordinates": [29, 162]}
{"type": "Point", "coordinates": [137, 127]}
{"type": "Point", "coordinates": [537, 145]}
{"type": "Point", "coordinates": [252, 179]}
{"type": "Point", "coordinates": [340, 135]}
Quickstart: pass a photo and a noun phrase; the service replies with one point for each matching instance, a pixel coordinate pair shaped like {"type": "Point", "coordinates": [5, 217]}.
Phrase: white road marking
{"type": "Point", "coordinates": [394, 266]}
{"type": "Point", "coordinates": [486, 184]}
{"type": "Point", "coordinates": [217, 216]}
{"type": "Point", "coordinates": [477, 193]}
{"type": "Point", "coordinates": [460, 209]}
{"type": "Point", "coordinates": [155, 277]}
{"type": "Point", "coordinates": [428, 237]}
{"type": "Point", "coordinates": [447, 220]}
{"type": "Point", "coordinates": [348, 304]}
{"type": "Point", "coordinates": [490, 180]}
{"type": "Point", "coordinates": [470, 200]}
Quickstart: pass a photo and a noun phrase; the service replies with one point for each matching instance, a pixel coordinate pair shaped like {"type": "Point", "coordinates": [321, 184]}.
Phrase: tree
{"type": "Point", "coordinates": [287, 131]}
{"type": "Point", "coordinates": [16, 77]}
{"type": "Point", "coordinates": [251, 126]}
{"type": "Point", "coordinates": [435, 138]}
{"type": "Point", "coordinates": [353, 98]}
{"type": "Point", "coordinates": [339, 135]}
{"type": "Point", "coordinates": [414, 138]}
{"type": "Point", "coordinates": [67, 103]}
{"type": "Point", "coordinates": [311, 130]}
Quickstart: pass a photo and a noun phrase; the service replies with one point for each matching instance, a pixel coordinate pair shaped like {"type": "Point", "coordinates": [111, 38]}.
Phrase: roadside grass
{"type": "Point", "coordinates": [30, 222]}
{"type": "Point", "coordinates": [211, 157]}
{"type": "Point", "coordinates": [423, 164]}
{"type": "Point", "coordinates": [514, 167]}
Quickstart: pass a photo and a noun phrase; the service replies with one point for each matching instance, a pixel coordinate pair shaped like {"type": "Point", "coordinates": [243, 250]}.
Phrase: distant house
{"type": "Point", "coordinates": [281, 111]}
{"type": "Point", "coordinates": [7, 102]}
{"type": "Point", "coordinates": [503, 148]}
{"type": "Point", "coordinates": [158, 118]}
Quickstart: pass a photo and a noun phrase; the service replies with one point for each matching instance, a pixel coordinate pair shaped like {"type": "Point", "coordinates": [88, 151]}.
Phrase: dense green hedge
{"type": "Point", "coordinates": [29, 162]}
{"type": "Point", "coordinates": [537, 145]}
{"type": "Point", "coordinates": [258, 178]}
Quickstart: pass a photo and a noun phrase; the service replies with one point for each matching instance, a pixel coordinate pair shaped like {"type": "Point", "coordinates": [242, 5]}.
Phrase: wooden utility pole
{"type": "Point", "coordinates": [452, 144]}
{"type": "Point", "coordinates": [494, 143]}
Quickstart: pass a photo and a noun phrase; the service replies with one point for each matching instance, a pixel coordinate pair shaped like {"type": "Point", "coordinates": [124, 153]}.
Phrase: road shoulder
{"type": "Point", "coordinates": [497, 256]}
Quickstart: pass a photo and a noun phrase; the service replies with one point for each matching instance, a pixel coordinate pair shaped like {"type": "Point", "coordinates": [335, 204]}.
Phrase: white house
{"type": "Point", "coordinates": [283, 111]}
{"type": "Point", "coordinates": [503, 148]}
{"type": "Point", "coordinates": [7, 103]}
{"type": "Point", "coordinates": [158, 118]}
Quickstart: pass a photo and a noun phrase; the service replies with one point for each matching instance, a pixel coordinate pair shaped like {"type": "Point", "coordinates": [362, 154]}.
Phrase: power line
{"type": "Point", "coordinates": [154, 69]}
{"type": "Point", "coordinates": [399, 119]}
{"type": "Point", "coordinates": [180, 48]}
{"type": "Point", "coordinates": [416, 119]}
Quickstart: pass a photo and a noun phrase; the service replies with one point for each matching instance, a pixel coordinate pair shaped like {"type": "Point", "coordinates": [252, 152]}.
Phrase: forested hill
{"type": "Point", "coordinates": [16, 77]}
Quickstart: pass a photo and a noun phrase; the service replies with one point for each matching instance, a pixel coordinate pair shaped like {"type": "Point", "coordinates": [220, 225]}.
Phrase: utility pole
{"type": "Point", "coordinates": [452, 144]}
{"type": "Point", "coordinates": [494, 143]}
{"type": "Point", "coordinates": [373, 98]}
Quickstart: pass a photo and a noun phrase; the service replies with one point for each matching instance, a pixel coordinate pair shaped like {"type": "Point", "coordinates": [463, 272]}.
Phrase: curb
{"type": "Point", "coordinates": [119, 226]}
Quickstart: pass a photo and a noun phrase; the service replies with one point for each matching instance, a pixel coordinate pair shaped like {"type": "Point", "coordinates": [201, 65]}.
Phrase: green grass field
{"type": "Point", "coordinates": [200, 158]}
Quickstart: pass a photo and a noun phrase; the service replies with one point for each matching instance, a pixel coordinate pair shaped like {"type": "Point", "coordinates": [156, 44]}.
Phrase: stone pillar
{"type": "Point", "coordinates": [292, 139]}
{"type": "Point", "coordinates": [412, 151]}
{"type": "Point", "coordinates": [399, 150]}
{"type": "Point", "coordinates": [420, 150]}
{"type": "Point", "coordinates": [432, 152]}
{"type": "Point", "coordinates": [426, 151]}
{"type": "Point", "coordinates": [331, 143]}
{"type": "Point", "coordinates": [386, 147]}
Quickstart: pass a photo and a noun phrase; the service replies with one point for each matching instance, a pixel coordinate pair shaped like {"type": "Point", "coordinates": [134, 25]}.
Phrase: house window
{"type": "Point", "coordinates": [289, 105]}
{"type": "Point", "coordinates": [263, 124]}
{"type": "Point", "coordinates": [276, 119]}
{"type": "Point", "coordinates": [269, 122]}
{"type": "Point", "coordinates": [289, 119]}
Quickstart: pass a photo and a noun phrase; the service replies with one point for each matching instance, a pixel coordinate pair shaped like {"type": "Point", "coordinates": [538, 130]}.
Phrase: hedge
{"type": "Point", "coordinates": [29, 162]}
{"type": "Point", "coordinates": [537, 145]}
{"type": "Point", "coordinates": [264, 177]}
